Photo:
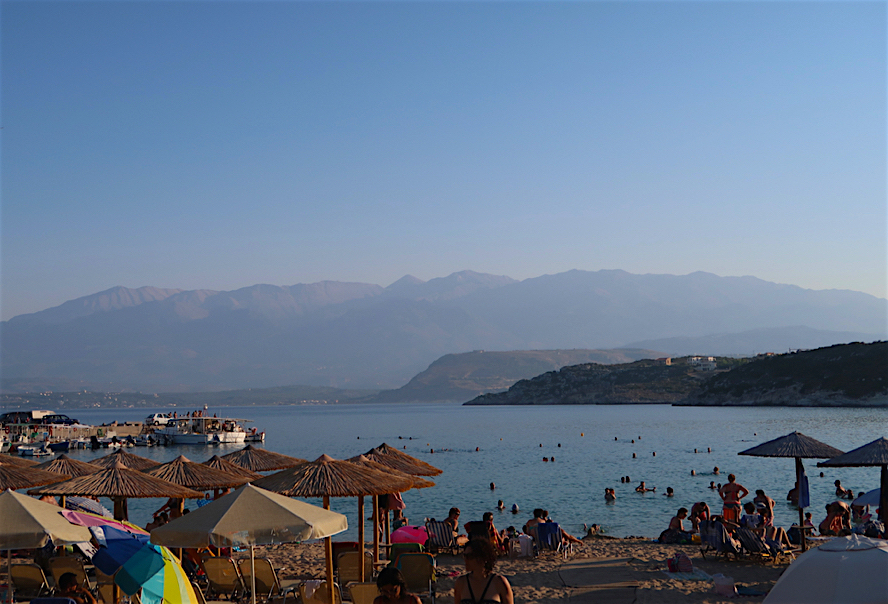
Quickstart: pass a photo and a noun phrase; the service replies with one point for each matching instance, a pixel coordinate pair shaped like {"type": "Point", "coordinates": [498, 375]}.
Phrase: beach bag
{"type": "Point", "coordinates": [680, 563]}
{"type": "Point", "coordinates": [724, 586]}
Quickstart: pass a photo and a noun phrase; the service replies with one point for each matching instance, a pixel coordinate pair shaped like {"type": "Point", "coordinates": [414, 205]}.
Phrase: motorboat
{"type": "Point", "coordinates": [34, 451]}
{"type": "Point", "coordinates": [203, 430]}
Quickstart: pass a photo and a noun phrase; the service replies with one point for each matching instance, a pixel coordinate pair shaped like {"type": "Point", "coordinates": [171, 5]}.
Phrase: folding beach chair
{"type": "Point", "coordinates": [223, 578]}
{"type": "Point", "coordinates": [28, 581]}
{"type": "Point", "coordinates": [549, 537]}
{"type": "Point", "coordinates": [343, 546]}
{"type": "Point", "coordinates": [754, 545]}
{"type": "Point", "coordinates": [403, 548]}
{"type": "Point", "coordinates": [350, 567]}
{"type": "Point", "coordinates": [315, 592]}
{"type": "Point", "coordinates": [363, 593]}
{"type": "Point", "coordinates": [716, 539]}
{"type": "Point", "coordinates": [441, 537]}
{"type": "Point", "coordinates": [60, 565]}
{"type": "Point", "coordinates": [419, 573]}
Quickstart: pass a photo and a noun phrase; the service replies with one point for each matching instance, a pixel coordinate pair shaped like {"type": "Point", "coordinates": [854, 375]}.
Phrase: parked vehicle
{"type": "Point", "coordinates": [158, 419]}
{"type": "Point", "coordinates": [58, 419]}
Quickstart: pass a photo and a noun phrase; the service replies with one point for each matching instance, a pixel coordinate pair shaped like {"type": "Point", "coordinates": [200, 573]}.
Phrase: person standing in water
{"type": "Point", "coordinates": [731, 494]}
{"type": "Point", "coordinates": [480, 585]}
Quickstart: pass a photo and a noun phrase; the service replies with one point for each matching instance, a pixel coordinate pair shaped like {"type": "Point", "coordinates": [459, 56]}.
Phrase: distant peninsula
{"type": "Point", "coordinates": [843, 375]}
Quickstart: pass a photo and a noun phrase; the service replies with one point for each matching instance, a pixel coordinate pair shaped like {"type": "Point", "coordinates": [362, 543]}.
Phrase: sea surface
{"type": "Point", "coordinates": [590, 448]}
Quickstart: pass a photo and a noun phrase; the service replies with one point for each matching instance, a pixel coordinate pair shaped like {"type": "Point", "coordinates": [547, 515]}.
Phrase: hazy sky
{"type": "Point", "coordinates": [223, 144]}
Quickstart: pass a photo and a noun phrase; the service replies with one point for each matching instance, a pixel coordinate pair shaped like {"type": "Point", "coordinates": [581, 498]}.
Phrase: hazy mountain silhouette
{"type": "Point", "coordinates": [363, 335]}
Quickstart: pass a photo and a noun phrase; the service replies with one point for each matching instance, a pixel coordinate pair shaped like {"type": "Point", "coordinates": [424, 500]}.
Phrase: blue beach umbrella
{"type": "Point", "coordinates": [137, 564]}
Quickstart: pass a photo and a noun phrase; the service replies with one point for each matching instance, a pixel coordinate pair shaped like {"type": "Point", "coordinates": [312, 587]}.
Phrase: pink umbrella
{"type": "Point", "coordinates": [410, 534]}
{"type": "Point", "coordinates": [86, 519]}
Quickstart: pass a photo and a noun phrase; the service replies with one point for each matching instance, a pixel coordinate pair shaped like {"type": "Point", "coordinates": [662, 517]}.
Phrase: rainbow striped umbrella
{"type": "Point", "coordinates": [137, 564]}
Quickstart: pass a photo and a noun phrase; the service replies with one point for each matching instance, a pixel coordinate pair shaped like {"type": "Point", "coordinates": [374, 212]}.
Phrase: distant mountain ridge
{"type": "Point", "coordinates": [358, 335]}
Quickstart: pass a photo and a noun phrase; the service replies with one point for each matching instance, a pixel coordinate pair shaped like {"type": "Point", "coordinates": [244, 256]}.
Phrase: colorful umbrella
{"type": "Point", "coordinates": [86, 519]}
{"type": "Point", "coordinates": [137, 564]}
{"type": "Point", "coordinates": [84, 504]}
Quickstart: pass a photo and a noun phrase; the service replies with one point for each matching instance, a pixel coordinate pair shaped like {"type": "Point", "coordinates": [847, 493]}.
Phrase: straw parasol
{"type": "Point", "coordinates": [72, 467]}
{"type": "Point", "coordinates": [226, 466]}
{"type": "Point", "coordinates": [418, 483]}
{"type": "Point", "coordinates": [871, 454]}
{"type": "Point", "coordinates": [119, 483]}
{"type": "Point", "coordinates": [18, 477]}
{"type": "Point", "coordinates": [15, 460]}
{"type": "Point", "coordinates": [260, 460]}
{"type": "Point", "coordinates": [398, 460]}
{"type": "Point", "coordinates": [250, 516]}
{"type": "Point", "coordinates": [327, 477]}
{"type": "Point", "coordinates": [800, 447]}
{"type": "Point", "coordinates": [134, 462]}
{"type": "Point", "coordinates": [184, 472]}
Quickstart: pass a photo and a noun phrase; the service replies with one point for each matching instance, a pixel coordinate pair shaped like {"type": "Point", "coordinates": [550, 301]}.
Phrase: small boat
{"type": "Point", "coordinates": [60, 447]}
{"type": "Point", "coordinates": [34, 451]}
{"type": "Point", "coordinates": [254, 436]}
{"type": "Point", "coordinates": [203, 431]}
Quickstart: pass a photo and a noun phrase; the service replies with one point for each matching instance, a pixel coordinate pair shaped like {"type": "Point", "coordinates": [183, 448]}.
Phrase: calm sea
{"type": "Point", "coordinates": [591, 445]}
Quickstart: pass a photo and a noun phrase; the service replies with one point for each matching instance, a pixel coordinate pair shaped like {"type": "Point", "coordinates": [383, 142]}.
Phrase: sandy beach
{"type": "Point", "coordinates": [633, 566]}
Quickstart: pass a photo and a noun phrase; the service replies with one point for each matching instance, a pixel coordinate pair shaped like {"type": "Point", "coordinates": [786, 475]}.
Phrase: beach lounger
{"type": "Point", "coordinates": [363, 593]}
{"type": "Point", "coordinates": [60, 565]}
{"type": "Point", "coordinates": [716, 539]}
{"type": "Point", "coordinates": [350, 567]}
{"type": "Point", "coordinates": [403, 548]}
{"type": "Point", "coordinates": [315, 592]}
{"type": "Point", "coordinates": [441, 537]}
{"type": "Point", "coordinates": [754, 545]}
{"type": "Point", "coordinates": [28, 581]}
{"type": "Point", "coordinates": [343, 546]}
{"type": "Point", "coordinates": [419, 573]}
{"type": "Point", "coordinates": [223, 578]}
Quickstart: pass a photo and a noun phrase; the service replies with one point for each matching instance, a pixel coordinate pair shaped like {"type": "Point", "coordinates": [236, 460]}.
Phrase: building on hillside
{"type": "Point", "coordinates": [665, 360]}
{"type": "Point", "coordinates": [702, 363]}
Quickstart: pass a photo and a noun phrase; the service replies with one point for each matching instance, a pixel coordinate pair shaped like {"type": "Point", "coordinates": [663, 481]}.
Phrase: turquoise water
{"type": "Point", "coordinates": [588, 458]}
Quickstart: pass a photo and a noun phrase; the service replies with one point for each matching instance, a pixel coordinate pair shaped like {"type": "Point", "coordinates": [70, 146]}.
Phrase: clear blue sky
{"type": "Point", "coordinates": [223, 144]}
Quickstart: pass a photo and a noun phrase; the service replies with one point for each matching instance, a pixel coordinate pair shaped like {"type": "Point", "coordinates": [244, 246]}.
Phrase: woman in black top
{"type": "Point", "coordinates": [480, 585]}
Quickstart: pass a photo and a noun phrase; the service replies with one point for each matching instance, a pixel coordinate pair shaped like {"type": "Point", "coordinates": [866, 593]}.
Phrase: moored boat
{"type": "Point", "coordinates": [203, 431]}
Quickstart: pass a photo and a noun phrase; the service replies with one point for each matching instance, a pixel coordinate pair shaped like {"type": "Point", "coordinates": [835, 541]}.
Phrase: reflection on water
{"type": "Point", "coordinates": [512, 442]}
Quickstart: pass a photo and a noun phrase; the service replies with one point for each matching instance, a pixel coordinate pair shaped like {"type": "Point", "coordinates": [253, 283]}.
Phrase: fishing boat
{"type": "Point", "coordinates": [34, 451]}
{"type": "Point", "coordinates": [203, 431]}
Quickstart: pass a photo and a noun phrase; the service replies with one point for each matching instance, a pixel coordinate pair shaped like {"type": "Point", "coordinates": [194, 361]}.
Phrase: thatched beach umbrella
{"type": "Point", "coordinates": [186, 473]}
{"type": "Point", "coordinates": [133, 462]}
{"type": "Point", "coordinates": [871, 454]}
{"type": "Point", "coordinates": [118, 483]}
{"type": "Point", "coordinates": [391, 457]}
{"type": "Point", "coordinates": [260, 460]}
{"type": "Point", "coordinates": [18, 477]}
{"type": "Point", "coordinates": [16, 460]}
{"type": "Point", "coordinates": [327, 477]}
{"type": "Point", "coordinates": [800, 447]}
{"type": "Point", "coordinates": [226, 466]}
{"type": "Point", "coordinates": [72, 467]}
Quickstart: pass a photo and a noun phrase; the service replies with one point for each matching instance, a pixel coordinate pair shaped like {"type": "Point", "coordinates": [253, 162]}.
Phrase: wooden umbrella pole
{"type": "Point", "coordinates": [253, 572]}
{"type": "Point", "coordinates": [799, 471]}
{"type": "Point", "coordinates": [9, 575]}
{"type": "Point", "coordinates": [328, 554]}
{"type": "Point", "coordinates": [375, 530]}
{"type": "Point", "coordinates": [361, 535]}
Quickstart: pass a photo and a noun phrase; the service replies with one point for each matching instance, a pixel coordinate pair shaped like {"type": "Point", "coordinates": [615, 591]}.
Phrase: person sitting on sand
{"type": "Point", "coordinates": [393, 588]}
{"type": "Point", "coordinates": [731, 494]}
{"type": "Point", "coordinates": [480, 585]}
{"type": "Point", "coordinates": [831, 526]}
{"type": "Point", "coordinates": [537, 518]}
{"type": "Point", "coordinates": [643, 489]}
{"type": "Point", "coordinates": [676, 533]}
{"type": "Point", "coordinates": [70, 588]}
{"type": "Point", "coordinates": [478, 530]}
{"type": "Point", "coordinates": [765, 506]}
{"type": "Point", "coordinates": [699, 512]}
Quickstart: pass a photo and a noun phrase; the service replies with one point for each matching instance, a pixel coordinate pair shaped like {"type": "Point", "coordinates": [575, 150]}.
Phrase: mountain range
{"type": "Point", "coordinates": [358, 335]}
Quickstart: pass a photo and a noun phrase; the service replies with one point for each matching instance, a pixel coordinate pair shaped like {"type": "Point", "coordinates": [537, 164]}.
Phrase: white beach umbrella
{"type": "Point", "coordinates": [845, 570]}
{"type": "Point", "coordinates": [868, 498]}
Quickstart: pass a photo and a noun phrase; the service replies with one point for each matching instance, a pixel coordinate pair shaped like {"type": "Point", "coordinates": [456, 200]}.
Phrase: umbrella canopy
{"type": "Point", "coordinates": [328, 477]}
{"type": "Point", "coordinates": [118, 483]}
{"type": "Point", "coordinates": [795, 444]}
{"type": "Point", "coordinates": [26, 523]}
{"type": "Point", "coordinates": [391, 457]}
{"type": "Point", "coordinates": [131, 461]}
{"type": "Point", "coordinates": [137, 564]}
{"type": "Point", "coordinates": [71, 467]}
{"type": "Point", "coordinates": [226, 466]}
{"type": "Point", "coordinates": [86, 519]}
{"type": "Point", "coordinates": [250, 516]}
{"type": "Point", "coordinates": [869, 498]}
{"type": "Point", "coordinates": [16, 460]}
{"type": "Point", "coordinates": [193, 475]}
{"type": "Point", "coordinates": [845, 570]}
{"type": "Point", "coordinates": [870, 454]}
{"type": "Point", "coordinates": [260, 460]}
{"type": "Point", "coordinates": [21, 477]}
{"type": "Point", "coordinates": [418, 483]}
{"type": "Point", "coordinates": [84, 504]}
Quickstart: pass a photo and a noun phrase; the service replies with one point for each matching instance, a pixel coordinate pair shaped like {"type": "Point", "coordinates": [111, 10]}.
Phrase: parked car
{"type": "Point", "coordinates": [158, 419]}
{"type": "Point", "coordinates": [58, 418]}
